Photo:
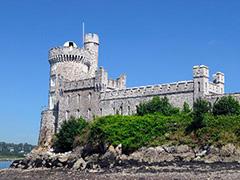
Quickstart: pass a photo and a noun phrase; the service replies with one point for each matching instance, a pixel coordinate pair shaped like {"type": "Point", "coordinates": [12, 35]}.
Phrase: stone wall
{"type": "Point", "coordinates": [214, 98]}
{"type": "Point", "coordinates": [47, 128]}
{"type": "Point", "coordinates": [79, 88]}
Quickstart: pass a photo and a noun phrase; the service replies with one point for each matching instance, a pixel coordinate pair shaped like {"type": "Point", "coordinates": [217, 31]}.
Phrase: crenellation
{"type": "Point", "coordinates": [79, 88]}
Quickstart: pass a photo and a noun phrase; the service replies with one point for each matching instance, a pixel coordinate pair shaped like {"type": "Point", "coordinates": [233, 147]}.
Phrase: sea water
{"type": "Point", "coordinates": [5, 164]}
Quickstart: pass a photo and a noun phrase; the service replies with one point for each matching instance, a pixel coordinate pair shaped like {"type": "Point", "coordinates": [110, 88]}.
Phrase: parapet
{"type": "Point", "coordinates": [151, 90]}
{"type": "Point", "coordinates": [218, 78]}
{"type": "Point", "coordinates": [69, 52]}
{"type": "Point", "coordinates": [91, 38]}
{"type": "Point", "coordinates": [200, 71]}
{"type": "Point", "coordinates": [81, 84]}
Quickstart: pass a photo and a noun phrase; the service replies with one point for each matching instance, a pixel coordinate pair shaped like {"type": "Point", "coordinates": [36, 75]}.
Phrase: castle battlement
{"type": "Point", "coordinates": [79, 88]}
{"type": "Point", "coordinates": [61, 54]}
{"type": "Point", "coordinates": [91, 38]}
{"type": "Point", "coordinates": [160, 89]}
{"type": "Point", "coordinates": [77, 85]}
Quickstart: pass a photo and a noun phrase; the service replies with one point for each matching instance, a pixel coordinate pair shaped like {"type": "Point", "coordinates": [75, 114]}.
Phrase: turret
{"type": "Point", "coordinates": [101, 79]}
{"type": "Point", "coordinates": [91, 44]}
{"type": "Point", "coordinates": [218, 79]}
{"type": "Point", "coordinates": [201, 80]}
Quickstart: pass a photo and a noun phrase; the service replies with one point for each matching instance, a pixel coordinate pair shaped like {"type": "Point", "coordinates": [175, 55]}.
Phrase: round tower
{"type": "Point", "coordinates": [67, 63]}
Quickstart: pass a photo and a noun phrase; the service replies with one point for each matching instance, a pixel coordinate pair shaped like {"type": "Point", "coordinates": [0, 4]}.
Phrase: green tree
{"type": "Point", "coordinates": [226, 105]}
{"type": "Point", "coordinates": [186, 108]}
{"type": "Point", "coordinates": [67, 133]}
{"type": "Point", "coordinates": [200, 108]}
{"type": "Point", "coordinates": [161, 106]}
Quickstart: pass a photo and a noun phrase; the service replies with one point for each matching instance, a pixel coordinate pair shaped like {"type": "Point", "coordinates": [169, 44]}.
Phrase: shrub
{"type": "Point", "coordinates": [186, 108]}
{"type": "Point", "coordinates": [161, 106]}
{"type": "Point", "coordinates": [227, 105]}
{"type": "Point", "coordinates": [219, 130]}
{"type": "Point", "coordinates": [67, 133]}
{"type": "Point", "coordinates": [200, 108]}
{"type": "Point", "coordinates": [134, 132]}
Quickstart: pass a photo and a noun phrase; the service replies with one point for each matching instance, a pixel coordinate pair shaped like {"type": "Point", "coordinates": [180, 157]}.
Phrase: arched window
{"type": "Point", "coordinates": [66, 115]}
{"type": "Point", "coordinates": [199, 87]}
{"type": "Point", "coordinates": [121, 110]}
{"type": "Point", "coordinates": [129, 110]}
{"type": "Point", "coordinates": [89, 97]}
{"type": "Point", "coordinates": [68, 100]}
{"type": "Point", "coordinates": [78, 99]}
{"type": "Point", "coordinates": [78, 113]}
{"type": "Point", "coordinates": [89, 113]}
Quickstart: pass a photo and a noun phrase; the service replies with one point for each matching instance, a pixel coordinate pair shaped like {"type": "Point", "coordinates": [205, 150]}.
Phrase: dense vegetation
{"type": "Point", "coordinates": [161, 106]}
{"type": "Point", "coordinates": [157, 122]}
{"type": "Point", "coordinates": [11, 150]}
{"type": "Point", "coordinates": [69, 130]}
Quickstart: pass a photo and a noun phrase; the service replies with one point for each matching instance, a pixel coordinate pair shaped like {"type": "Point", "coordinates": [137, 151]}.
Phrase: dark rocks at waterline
{"type": "Point", "coordinates": [79, 159]}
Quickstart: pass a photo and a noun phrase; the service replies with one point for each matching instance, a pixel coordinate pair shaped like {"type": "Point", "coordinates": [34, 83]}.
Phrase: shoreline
{"type": "Point", "coordinates": [171, 170]}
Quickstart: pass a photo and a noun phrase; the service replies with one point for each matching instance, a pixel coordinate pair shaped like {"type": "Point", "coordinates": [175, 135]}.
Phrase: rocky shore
{"type": "Point", "coordinates": [169, 162]}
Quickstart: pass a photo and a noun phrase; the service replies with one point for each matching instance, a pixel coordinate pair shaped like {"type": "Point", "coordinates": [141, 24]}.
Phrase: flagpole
{"type": "Point", "coordinates": [83, 32]}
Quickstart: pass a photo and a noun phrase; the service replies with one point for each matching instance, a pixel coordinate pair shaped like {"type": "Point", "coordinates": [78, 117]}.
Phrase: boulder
{"type": "Point", "coordinates": [109, 158]}
{"type": "Point", "coordinates": [63, 158]}
{"type": "Point", "coordinates": [227, 150]}
{"type": "Point", "coordinates": [118, 149]}
{"type": "Point", "coordinates": [79, 164]}
{"type": "Point", "coordinates": [183, 149]}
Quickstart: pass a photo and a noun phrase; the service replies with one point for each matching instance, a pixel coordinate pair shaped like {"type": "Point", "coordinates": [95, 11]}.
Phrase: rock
{"type": "Point", "coordinates": [213, 150]}
{"type": "Point", "coordinates": [118, 149]}
{"type": "Point", "coordinates": [109, 158]}
{"type": "Point", "coordinates": [93, 158]}
{"type": "Point", "coordinates": [202, 153]}
{"type": "Point", "coordinates": [211, 158]}
{"type": "Point", "coordinates": [38, 163]}
{"type": "Point", "coordinates": [227, 150]}
{"type": "Point", "coordinates": [160, 149]}
{"type": "Point", "coordinates": [150, 155]}
{"type": "Point", "coordinates": [79, 164]}
{"type": "Point", "coordinates": [169, 149]}
{"type": "Point", "coordinates": [182, 149]}
{"type": "Point", "coordinates": [63, 158]}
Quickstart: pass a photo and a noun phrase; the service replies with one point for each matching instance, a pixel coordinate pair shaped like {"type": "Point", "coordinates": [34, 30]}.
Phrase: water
{"type": "Point", "coordinates": [5, 164]}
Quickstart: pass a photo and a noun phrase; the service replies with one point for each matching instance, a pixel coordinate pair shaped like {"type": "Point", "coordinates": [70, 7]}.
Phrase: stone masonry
{"type": "Point", "coordinates": [78, 88]}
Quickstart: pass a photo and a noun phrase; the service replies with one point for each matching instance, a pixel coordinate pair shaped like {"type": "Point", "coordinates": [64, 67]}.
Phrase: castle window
{"type": "Point", "coordinates": [121, 110]}
{"type": "Point", "coordinates": [78, 113]}
{"type": "Point", "coordinates": [89, 97]}
{"type": "Point", "coordinates": [129, 110]}
{"type": "Point", "coordinates": [199, 88]}
{"type": "Point", "coordinates": [68, 100]}
{"type": "Point", "coordinates": [101, 112]}
{"type": "Point", "coordinates": [53, 81]}
{"type": "Point", "coordinates": [78, 99]}
{"type": "Point", "coordinates": [66, 115]}
{"type": "Point", "coordinates": [51, 101]}
{"type": "Point", "coordinates": [88, 113]}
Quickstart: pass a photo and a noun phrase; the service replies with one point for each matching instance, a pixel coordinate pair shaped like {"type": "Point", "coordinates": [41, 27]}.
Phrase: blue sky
{"type": "Point", "coordinates": [152, 41]}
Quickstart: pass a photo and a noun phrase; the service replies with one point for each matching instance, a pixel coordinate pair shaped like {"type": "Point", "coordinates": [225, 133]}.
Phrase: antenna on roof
{"type": "Point", "coordinates": [83, 32]}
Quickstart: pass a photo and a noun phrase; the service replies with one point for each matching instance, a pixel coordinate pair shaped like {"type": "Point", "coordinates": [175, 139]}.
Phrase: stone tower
{"type": "Point", "coordinates": [78, 88]}
{"type": "Point", "coordinates": [67, 63]}
{"type": "Point", "coordinates": [200, 80]}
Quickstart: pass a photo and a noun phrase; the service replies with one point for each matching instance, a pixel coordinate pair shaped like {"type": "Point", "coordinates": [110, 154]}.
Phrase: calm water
{"type": "Point", "coordinates": [5, 164]}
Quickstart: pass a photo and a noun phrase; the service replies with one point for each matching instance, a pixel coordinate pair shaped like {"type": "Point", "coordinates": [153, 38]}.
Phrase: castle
{"type": "Point", "coordinates": [78, 88]}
